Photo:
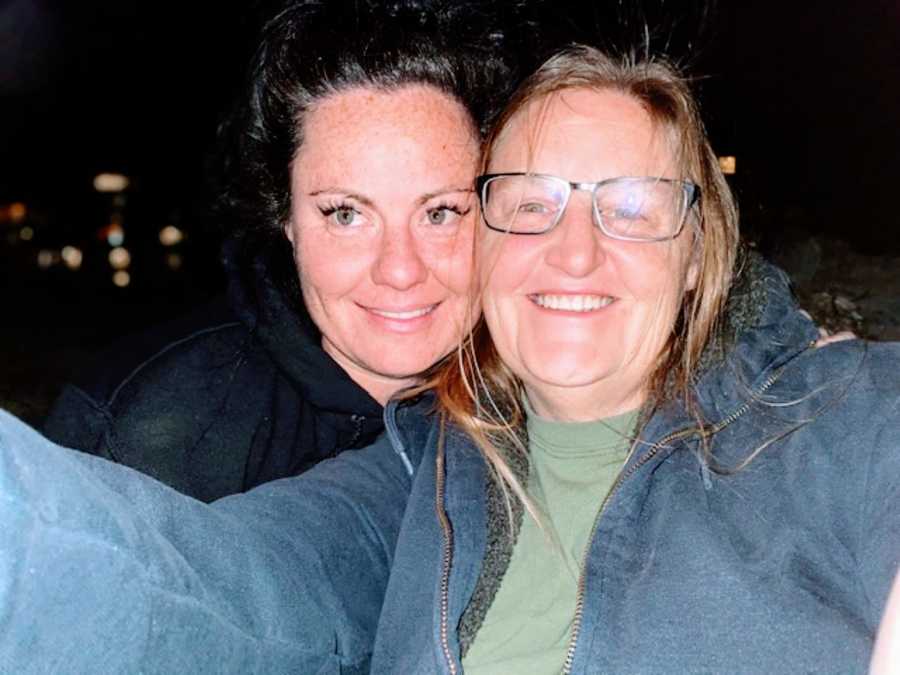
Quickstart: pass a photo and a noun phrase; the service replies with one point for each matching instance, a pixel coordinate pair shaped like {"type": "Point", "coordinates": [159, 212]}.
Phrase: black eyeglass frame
{"type": "Point", "coordinates": [692, 197]}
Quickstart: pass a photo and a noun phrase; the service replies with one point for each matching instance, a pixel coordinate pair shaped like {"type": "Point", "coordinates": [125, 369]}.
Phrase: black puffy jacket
{"type": "Point", "coordinates": [239, 394]}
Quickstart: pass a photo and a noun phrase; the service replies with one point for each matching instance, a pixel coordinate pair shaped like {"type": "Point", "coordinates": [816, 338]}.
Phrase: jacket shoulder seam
{"type": "Point", "coordinates": [160, 353]}
{"type": "Point", "coordinates": [91, 402]}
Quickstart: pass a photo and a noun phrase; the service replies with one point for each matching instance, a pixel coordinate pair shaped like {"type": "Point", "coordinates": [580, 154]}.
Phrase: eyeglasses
{"type": "Point", "coordinates": [630, 209]}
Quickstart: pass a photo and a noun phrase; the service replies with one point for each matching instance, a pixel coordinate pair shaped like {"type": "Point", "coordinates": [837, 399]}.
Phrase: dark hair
{"type": "Point", "coordinates": [312, 49]}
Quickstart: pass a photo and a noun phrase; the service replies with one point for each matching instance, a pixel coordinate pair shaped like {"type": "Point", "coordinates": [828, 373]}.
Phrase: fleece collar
{"type": "Point", "coordinates": [286, 331]}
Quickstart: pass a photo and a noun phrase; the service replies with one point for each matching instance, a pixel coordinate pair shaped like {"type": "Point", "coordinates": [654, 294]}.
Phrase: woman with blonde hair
{"type": "Point", "coordinates": [637, 462]}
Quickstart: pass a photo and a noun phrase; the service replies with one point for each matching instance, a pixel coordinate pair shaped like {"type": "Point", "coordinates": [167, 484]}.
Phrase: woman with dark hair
{"type": "Point", "coordinates": [637, 463]}
{"type": "Point", "coordinates": [319, 328]}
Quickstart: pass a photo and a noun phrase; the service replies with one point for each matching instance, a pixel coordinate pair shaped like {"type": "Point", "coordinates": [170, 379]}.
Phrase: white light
{"type": "Point", "coordinates": [121, 278]}
{"type": "Point", "coordinates": [26, 234]}
{"type": "Point", "coordinates": [46, 258]}
{"type": "Point", "coordinates": [73, 257]}
{"type": "Point", "coordinates": [110, 182]}
{"type": "Point", "coordinates": [170, 235]}
{"type": "Point", "coordinates": [728, 164]}
{"type": "Point", "coordinates": [119, 258]}
{"type": "Point", "coordinates": [115, 235]}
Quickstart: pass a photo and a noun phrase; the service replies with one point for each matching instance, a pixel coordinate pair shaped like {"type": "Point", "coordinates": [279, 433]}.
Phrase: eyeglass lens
{"type": "Point", "coordinates": [630, 208]}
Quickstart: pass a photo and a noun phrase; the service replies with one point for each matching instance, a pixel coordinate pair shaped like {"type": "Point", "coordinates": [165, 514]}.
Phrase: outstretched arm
{"type": "Point", "coordinates": [105, 570]}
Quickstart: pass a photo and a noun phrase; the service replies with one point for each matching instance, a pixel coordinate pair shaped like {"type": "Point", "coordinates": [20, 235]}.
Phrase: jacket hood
{"type": "Point", "coordinates": [285, 329]}
{"type": "Point", "coordinates": [763, 330]}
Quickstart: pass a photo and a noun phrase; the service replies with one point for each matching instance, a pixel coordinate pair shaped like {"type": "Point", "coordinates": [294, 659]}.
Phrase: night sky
{"type": "Point", "coordinates": [806, 96]}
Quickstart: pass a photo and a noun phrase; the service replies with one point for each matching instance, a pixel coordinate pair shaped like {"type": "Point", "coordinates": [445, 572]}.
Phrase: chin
{"type": "Point", "coordinates": [568, 369]}
{"type": "Point", "coordinates": [402, 370]}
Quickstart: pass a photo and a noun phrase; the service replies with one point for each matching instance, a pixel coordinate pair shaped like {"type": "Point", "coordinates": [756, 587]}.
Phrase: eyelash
{"type": "Point", "coordinates": [329, 209]}
{"type": "Point", "coordinates": [453, 208]}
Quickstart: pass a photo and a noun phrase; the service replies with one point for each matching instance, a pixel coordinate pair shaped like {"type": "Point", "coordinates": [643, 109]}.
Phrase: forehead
{"type": "Point", "coordinates": [367, 133]}
{"type": "Point", "coordinates": [584, 134]}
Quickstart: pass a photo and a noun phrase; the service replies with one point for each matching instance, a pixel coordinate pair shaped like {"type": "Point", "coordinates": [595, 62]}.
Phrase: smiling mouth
{"type": "Point", "coordinates": [572, 303]}
{"type": "Point", "coordinates": [406, 315]}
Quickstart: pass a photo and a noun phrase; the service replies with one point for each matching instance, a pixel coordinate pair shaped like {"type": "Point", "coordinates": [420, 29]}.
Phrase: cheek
{"type": "Point", "coordinates": [653, 273]}
{"type": "Point", "coordinates": [326, 267]}
{"type": "Point", "coordinates": [657, 281]}
{"type": "Point", "coordinates": [451, 263]}
{"type": "Point", "coordinates": [504, 264]}
{"type": "Point", "coordinates": [455, 270]}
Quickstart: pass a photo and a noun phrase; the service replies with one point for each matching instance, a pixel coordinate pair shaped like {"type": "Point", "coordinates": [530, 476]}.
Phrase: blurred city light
{"type": "Point", "coordinates": [121, 278]}
{"type": "Point", "coordinates": [26, 233]}
{"type": "Point", "coordinates": [110, 182]}
{"type": "Point", "coordinates": [170, 235]}
{"type": "Point", "coordinates": [174, 261]}
{"type": "Point", "coordinates": [72, 257]}
{"type": "Point", "coordinates": [17, 212]}
{"type": "Point", "coordinates": [119, 258]}
{"type": "Point", "coordinates": [728, 164]}
{"type": "Point", "coordinates": [47, 258]}
{"type": "Point", "coordinates": [115, 235]}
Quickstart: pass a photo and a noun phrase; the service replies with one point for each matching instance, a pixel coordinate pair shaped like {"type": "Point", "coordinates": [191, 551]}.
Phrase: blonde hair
{"type": "Point", "coordinates": [476, 391]}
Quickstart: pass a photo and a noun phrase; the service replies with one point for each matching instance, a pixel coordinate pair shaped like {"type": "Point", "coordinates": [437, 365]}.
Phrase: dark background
{"type": "Point", "coordinates": [804, 95]}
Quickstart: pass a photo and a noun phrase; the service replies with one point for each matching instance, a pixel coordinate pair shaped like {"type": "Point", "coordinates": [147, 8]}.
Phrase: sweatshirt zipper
{"type": "Point", "coordinates": [447, 559]}
{"type": "Point", "coordinates": [621, 478]}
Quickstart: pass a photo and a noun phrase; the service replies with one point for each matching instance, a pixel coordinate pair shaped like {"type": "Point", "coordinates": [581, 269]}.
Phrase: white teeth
{"type": "Point", "coordinates": [403, 316]}
{"type": "Point", "coordinates": [572, 303]}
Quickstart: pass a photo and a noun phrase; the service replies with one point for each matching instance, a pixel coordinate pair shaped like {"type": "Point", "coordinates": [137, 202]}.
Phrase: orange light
{"type": "Point", "coordinates": [170, 235]}
{"type": "Point", "coordinates": [17, 212]}
{"type": "Point", "coordinates": [110, 182]}
{"type": "Point", "coordinates": [119, 258]}
{"type": "Point", "coordinates": [728, 164]}
{"type": "Point", "coordinates": [174, 261]}
{"type": "Point", "coordinates": [121, 278]}
{"type": "Point", "coordinates": [72, 257]}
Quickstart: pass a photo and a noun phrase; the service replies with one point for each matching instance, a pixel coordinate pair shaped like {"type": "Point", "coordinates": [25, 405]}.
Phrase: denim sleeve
{"type": "Point", "coordinates": [105, 570]}
{"type": "Point", "coordinates": [879, 509]}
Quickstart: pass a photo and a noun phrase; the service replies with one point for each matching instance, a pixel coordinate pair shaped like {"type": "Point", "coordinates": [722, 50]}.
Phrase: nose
{"type": "Point", "coordinates": [399, 263]}
{"type": "Point", "coordinates": [576, 248]}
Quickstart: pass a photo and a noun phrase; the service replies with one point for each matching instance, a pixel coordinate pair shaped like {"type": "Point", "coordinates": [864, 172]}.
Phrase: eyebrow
{"type": "Point", "coordinates": [362, 199]}
{"type": "Point", "coordinates": [336, 190]}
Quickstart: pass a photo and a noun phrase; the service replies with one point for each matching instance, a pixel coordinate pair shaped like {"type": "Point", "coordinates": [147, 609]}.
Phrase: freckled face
{"type": "Point", "coordinates": [582, 318]}
{"type": "Point", "coordinates": [381, 226]}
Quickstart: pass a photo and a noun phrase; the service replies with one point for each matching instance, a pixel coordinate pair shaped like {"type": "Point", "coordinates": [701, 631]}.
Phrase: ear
{"type": "Point", "coordinates": [693, 272]}
{"type": "Point", "coordinates": [695, 261]}
{"type": "Point", "coordinates": [288, 229]}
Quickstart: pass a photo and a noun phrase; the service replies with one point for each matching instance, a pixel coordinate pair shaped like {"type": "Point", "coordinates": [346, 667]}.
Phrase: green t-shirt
{"type": "Point", "coordinates": [573, 466]}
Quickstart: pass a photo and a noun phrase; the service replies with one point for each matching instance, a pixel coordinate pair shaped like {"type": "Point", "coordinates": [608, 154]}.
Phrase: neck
{"type": "Point", "coordinates": [379, 386]}
{"type": "Point", "coordinates": [383, 391]}
{"type": "Point", "coordinates": [574, 404]}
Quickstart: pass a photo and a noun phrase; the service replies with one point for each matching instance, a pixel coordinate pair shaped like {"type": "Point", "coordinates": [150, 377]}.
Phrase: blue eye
{"type": "Point", "coordinates": [340, 214]}
{"type": "Point", "coordinates": [439, 215]}
{"type": "Point", "coordinates": [533, 207]}
{"type": "Point", "coordinates": [445, 214]}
